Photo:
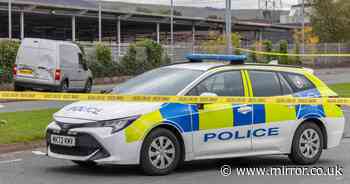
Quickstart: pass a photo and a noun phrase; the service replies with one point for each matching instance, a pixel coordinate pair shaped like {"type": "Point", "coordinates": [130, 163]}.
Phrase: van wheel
{"type": "Point", "coordinates": [88, 86]}
{"type": "Point", "coordinates": [19, 88]}
{"type": "Point", "coordinates": [307, 144]}
{"type": "Point", "coordinates": [160, 153]}
{"type": "Point", "coordinates": [64, 86]}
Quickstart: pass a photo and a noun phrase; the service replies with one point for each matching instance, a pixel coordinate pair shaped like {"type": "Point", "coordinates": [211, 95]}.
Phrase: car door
{"type": "Point", "coordinates": [272, 123]}
{"type": "Point", "coordinates": [223, 128]}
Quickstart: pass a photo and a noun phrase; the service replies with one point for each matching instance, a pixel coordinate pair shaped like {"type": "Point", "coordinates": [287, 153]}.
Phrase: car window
{"type": "Point", "coordinates": [299, 82]}
{"type": "Point", "coordinates": [286, 88]}
{"type": "Point", "coordinates": [223, 84]}
{"type": "Point", "coordinates": [265, 83]}
{"type": "Point", "coordinates": [160, 81]}
{"type": "Point", "coordinates": [69, 58]}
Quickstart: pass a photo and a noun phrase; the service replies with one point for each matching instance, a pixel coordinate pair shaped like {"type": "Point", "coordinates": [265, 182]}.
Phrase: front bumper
{"type": "Point", "coordinates": [94, 144]}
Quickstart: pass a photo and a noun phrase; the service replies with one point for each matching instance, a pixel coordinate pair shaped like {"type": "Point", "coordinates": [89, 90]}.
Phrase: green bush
{"type": "Point", "coordinates": [143, 56]}
{"type": "Point", "coordinates": [283, 48]}
{"type": "Point", "coordinates": [100, 62]}
{"type": "Point", "coordinates": [267, 46]}
{"type": "Point", "coordinates": [8, 52]}
{"type": "Point", "coordinates": [295, 60]}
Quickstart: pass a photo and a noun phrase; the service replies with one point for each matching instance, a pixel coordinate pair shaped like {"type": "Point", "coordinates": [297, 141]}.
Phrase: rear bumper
{"type": "Point", "coordinates": [32, 85]}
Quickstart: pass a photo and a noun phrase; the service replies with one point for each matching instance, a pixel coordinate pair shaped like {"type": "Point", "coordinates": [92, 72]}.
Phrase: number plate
{"type": "Point", "coordinates": [25, 72]}
{"type": "Point", "coordinates": [63, 140]}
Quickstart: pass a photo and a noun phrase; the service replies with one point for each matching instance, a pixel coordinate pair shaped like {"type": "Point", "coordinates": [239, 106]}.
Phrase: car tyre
{"type": "Point", "coordinates": [307, 144]}
{"type": "Point", "coordinates": [85, 164]}
{"type": "Point", "coordinates": [19, 88]}
{"type": "Point", "coordinates": [160, 153]}
{"type": "Point", "coordinates": [88, 86]}
{"type": "Point", "coordinates": [64, 86]}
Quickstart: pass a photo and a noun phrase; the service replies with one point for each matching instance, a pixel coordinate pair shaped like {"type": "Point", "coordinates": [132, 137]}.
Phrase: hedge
{"type": "Point", "coordinates": [8, 53]}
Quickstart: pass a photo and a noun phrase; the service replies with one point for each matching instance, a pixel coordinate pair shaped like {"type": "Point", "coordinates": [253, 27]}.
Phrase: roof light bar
{"type": "Point", "coordinates": [234, 59]}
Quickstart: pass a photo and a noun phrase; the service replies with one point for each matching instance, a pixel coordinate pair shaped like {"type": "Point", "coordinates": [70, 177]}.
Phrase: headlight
{"type": "Point", "coordinates": [115, 124]}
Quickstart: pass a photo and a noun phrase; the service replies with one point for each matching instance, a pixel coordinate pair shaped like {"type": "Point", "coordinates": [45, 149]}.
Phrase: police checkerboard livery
{"type": "Point", "coordinates": [160, 136]}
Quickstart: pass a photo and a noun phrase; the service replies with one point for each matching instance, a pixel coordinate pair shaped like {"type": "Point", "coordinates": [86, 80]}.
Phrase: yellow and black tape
{"type": "Point", "coordinates": [168, 99]}
{"type": "Point", "coordinates": [293, 55]}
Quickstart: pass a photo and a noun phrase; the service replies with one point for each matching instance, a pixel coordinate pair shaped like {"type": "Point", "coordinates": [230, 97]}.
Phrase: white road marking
{"type": "Point", "coordinates": [10, 161]}
{"type": "Point", "coordinates": [2, 106]}
{"type": "Point", "coordinates": [39, 153]}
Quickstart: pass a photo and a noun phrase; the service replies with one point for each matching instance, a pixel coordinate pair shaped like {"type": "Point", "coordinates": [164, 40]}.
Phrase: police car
{"type": "Point", "coordinates": [161, 136]}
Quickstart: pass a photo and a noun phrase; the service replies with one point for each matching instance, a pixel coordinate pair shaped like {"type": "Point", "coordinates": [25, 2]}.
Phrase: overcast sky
{"type": "Point", "coordinates": [236, 4]}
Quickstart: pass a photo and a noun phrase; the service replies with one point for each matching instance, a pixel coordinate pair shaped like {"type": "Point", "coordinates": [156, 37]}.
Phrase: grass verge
{"type": "Point", "coordinates": [24, 127]}
{"type": "Point", "coordinates": [343, 89]}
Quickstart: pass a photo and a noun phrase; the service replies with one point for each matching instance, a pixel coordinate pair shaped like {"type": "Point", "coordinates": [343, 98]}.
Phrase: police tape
{"type": "Point", "coordinates": [293, 55]}
{"type": "Point", "coordinates": [7, 95]}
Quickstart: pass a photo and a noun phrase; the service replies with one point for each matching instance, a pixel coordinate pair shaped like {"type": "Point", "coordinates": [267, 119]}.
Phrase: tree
{"type": "Point", "coordinates": [217, 43]}
{"type": "Point", "coordinates": [330, 20]}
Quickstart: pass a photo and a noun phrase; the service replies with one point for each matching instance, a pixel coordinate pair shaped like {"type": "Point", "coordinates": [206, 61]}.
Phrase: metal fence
{"type": "Point", "coordinates": [177, 52]}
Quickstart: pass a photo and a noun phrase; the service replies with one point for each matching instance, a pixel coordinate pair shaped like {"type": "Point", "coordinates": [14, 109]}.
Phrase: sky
{"type": "Point", "coordinates": [236, 4]}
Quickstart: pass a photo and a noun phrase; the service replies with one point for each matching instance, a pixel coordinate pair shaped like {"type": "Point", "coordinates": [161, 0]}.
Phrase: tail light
{"type": "Point", "coordinates": [57, 74]}
{"type": "Point", "coordinates": [14, 70]}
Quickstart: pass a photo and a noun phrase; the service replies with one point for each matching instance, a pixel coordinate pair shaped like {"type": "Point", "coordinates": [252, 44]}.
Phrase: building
{"type": "Point", "coordinates": [296, 14]}
{"type": "Point", "coordinates": [78, 21]}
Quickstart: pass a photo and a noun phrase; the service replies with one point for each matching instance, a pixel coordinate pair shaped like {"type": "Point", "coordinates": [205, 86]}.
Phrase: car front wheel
{"type": "Point", "coordinates": [307, 144]}
{"type": "Point", "coordinates": [160, 153]}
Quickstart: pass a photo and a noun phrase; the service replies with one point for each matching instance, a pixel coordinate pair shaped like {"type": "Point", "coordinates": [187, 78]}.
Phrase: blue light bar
{"type": "Point", "coordinates": [217, 57]}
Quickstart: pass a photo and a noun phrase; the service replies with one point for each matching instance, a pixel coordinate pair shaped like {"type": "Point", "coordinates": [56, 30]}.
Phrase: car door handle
{"type": "Point", "coordinates": [245, 110]}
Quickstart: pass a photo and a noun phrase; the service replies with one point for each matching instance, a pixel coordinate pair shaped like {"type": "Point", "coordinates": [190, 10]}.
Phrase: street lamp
{"type": "Point", "coordinates": [172, 28]}
{"type": "Point", "coordinates": [228, 23]}
{"type": "Point", "coordinates": [99, 21]}
{"type": "Point", "coordinates": [303, 26]}
{"type": "Point", "coordinates": [10, 18]}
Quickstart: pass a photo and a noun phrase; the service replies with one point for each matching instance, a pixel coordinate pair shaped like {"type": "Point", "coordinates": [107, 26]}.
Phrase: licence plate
{"type": "Point", "coordinates": [63, 140]}
{"type": "Point", "coordinates": [25, 72]}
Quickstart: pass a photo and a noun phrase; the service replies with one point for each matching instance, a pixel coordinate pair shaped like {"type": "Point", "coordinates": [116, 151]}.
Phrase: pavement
{"type": "Point", "coordinates": [334, 75]}
{"type": "Point", "coordinates": [25, 167]}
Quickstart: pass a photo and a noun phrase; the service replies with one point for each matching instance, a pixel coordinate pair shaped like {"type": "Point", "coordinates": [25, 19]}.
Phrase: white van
{"type": "Point", "coordinates": [51, 65]}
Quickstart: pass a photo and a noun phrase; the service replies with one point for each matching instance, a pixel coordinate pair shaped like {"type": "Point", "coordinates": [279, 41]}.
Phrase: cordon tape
{"type": "Point", "coordinates": [293, 55]}
{"type": "Point", "coordinates": [7, 95]}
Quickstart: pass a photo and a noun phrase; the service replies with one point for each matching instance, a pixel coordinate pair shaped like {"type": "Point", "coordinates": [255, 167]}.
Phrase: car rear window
{"type": "Point", "coordinates": [299, 82]}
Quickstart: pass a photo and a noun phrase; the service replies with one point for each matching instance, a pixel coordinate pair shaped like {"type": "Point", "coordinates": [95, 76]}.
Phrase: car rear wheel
{"type": "Point", "coordinates": [19, 88]}
{"type": "Point", "coordinates": [85, 164]}
{"type": "Point", "coordinates": [88, 86]}
{"type": "Point", "coordinates": [307, 144]}
{"type": "Point", "coordinates": [64, 86]}
{"type": "Point", "coordinates": [160, 153]}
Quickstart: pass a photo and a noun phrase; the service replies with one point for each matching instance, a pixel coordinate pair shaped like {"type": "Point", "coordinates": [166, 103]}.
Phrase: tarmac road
{"type": "Point", "coordinates": [26, 168]}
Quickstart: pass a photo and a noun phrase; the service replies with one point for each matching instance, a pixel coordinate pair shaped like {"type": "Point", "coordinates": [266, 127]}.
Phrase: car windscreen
{"type": "Point", "coordinates": [162, 81]}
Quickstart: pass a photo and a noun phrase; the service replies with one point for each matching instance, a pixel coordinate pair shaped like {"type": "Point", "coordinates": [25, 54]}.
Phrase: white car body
{"type": "Point", "coordinates": [203, 143]}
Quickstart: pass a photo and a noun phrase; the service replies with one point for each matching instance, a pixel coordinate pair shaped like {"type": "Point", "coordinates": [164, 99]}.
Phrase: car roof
{"type": "Point", "coordinates": [206, 66]}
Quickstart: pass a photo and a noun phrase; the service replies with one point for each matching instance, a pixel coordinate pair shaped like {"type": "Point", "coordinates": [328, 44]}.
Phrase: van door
{"type": "Point", "coordinates": [69, 64]}
{"type": "Point", "coordinates": [36, 60]}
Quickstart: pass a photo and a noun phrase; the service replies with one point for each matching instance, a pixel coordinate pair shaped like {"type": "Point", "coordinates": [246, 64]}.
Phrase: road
{"type": "Point", "coordinates": [27, 168]}
{"type": "Point", "coordinates": [37, 105]}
